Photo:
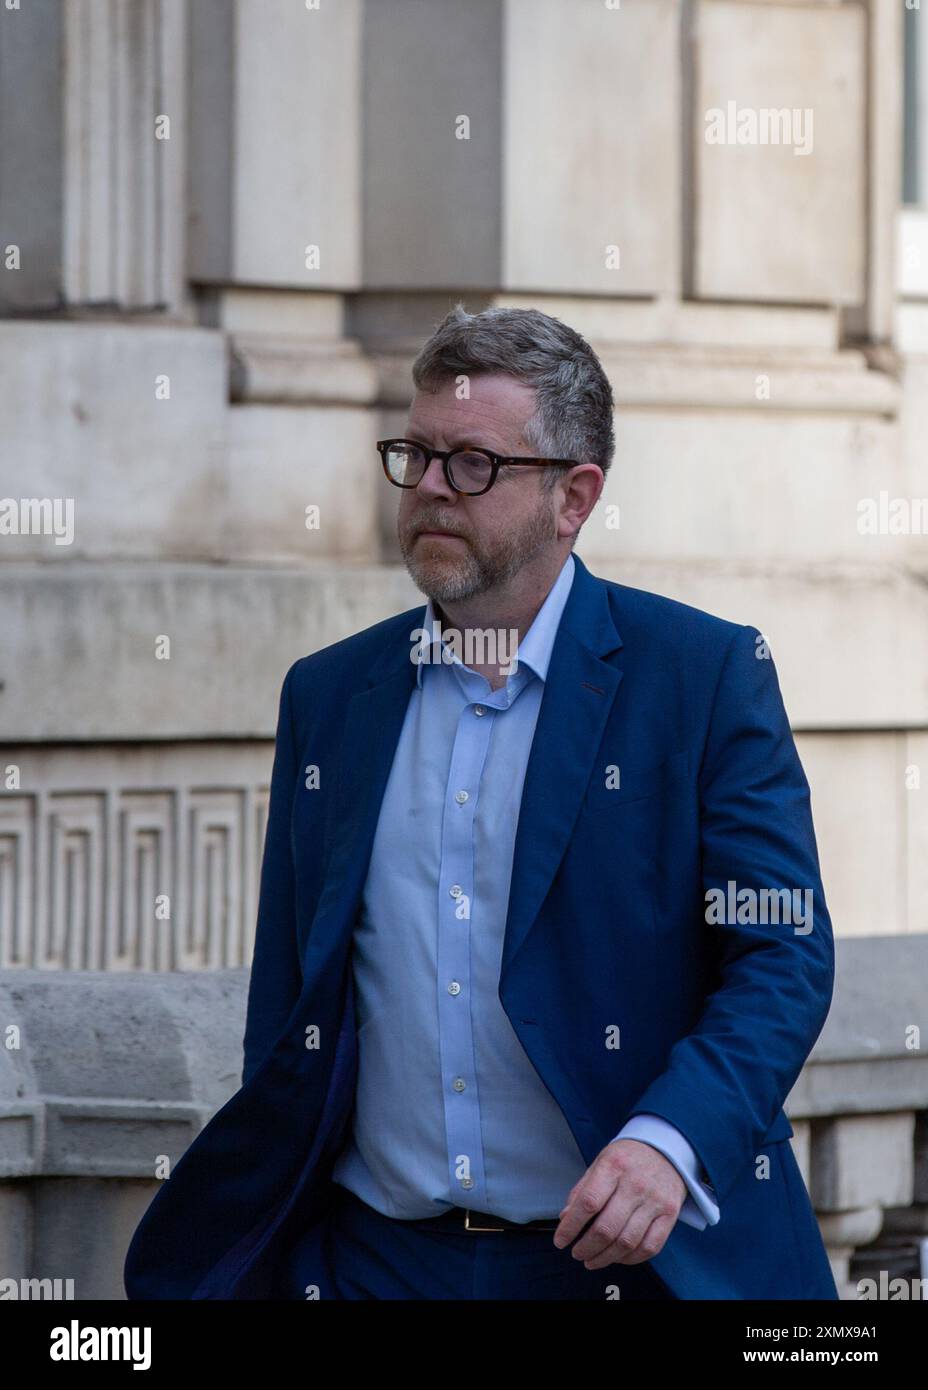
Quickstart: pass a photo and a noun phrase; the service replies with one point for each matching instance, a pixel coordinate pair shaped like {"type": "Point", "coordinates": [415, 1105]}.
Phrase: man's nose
{"type": "Point", "coordinates": [433, 483]}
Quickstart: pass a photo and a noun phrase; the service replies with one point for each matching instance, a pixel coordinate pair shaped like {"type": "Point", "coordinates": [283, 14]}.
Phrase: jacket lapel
{"type": "Point", "coordinates": [373, 723]}
{"type": "Point", "coordinates": [579, 692]}
{"type": "Point", "coordinates": [580, 689]}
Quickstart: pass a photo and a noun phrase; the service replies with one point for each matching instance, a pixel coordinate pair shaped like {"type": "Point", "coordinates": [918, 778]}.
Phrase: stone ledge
{"type": "Point", "coordinates": [235, 631]}
{"type": "Point", "coordinates": [291, 369]}
{"type": "Point", "coordinates": [126, 1067]}
{"type": "Point", "coordinates": [94, 1137]}
{"type": "Point", "coordinates": [705, 377]}
{"type": "Point", "coordinates": [861, 1162]}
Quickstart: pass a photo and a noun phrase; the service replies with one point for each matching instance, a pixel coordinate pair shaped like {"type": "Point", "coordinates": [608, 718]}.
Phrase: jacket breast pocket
{"type": "Point", "coordinates": [614, 785]}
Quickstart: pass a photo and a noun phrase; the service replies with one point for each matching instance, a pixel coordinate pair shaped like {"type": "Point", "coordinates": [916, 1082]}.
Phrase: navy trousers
{"type": "Point", "coordinates": [375, 1256]}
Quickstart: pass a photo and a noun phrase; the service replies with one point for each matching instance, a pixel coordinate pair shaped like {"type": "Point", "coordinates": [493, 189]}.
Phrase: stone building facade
{"type": "Point", "coordinates": [226, 226]}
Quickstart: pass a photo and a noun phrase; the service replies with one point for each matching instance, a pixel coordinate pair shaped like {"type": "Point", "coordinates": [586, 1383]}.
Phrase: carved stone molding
{"type": "Point", "coordinates": [132, 858]}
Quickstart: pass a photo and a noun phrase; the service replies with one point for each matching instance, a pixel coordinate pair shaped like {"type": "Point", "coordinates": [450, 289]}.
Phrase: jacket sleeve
{"type": "Point", "coordinates": [726, 1080]}
{"type": "Point", "coordinates": [276, 974]}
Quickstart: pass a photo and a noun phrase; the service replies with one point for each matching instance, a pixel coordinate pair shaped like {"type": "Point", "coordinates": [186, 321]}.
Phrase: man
{"type": "Point", "coordinates": [542, 944]}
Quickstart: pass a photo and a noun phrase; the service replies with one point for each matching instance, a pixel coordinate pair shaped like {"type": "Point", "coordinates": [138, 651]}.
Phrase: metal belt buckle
{"type": "Point", "coordinates": [470, 1226]}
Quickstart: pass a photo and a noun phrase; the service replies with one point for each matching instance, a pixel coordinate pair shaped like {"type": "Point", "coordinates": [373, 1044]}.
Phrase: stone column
{"type": "Point", "coordinates": [92, 164]}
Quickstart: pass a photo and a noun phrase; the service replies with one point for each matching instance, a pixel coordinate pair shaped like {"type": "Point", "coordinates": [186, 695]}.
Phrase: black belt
{"type": "Point", "coordinates": [464, 1219]}
{"type": "Point", "coordinates": [457, 1218]}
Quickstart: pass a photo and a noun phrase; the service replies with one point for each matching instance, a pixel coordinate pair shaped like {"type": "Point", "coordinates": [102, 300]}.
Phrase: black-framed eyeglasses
{"type": "Point", "coordinates": [469, 471]}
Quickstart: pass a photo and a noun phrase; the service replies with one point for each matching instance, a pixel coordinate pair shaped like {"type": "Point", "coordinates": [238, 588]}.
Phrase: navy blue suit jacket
{"type": "Point", "coordinates": [607, 927]}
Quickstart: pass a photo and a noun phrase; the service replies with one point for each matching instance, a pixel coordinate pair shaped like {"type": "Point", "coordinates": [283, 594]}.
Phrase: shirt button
{"type": "Point", "coordinates": [479, 709]}
{"type": "Point", "coordinates": [455, 890]}
{"type": "Point", "coordinates": [454, 987]}
{"type": "Point", "coordinates": [467, 1182]}
{"type": "Point", "coordinates": [461, 797]}
{"type": "Point", "coordinates": [459, 1083]}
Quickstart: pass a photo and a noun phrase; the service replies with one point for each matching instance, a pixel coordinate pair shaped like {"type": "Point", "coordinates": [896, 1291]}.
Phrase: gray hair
{"type": "Point", "coordinates": [573, 418]}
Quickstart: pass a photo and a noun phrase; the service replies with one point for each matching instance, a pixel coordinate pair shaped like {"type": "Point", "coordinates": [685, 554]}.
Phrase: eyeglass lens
{"type": "Point", "coordinates": [470, 472]}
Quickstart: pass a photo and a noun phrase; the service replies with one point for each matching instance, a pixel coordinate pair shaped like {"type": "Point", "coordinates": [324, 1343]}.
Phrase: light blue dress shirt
{"type": "Point", "coordinates": [449, 1110]}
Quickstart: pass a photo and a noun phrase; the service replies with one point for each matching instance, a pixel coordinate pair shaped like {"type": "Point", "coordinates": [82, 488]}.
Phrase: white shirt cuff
{"type": "Point", "coordinates": [700, 1208]}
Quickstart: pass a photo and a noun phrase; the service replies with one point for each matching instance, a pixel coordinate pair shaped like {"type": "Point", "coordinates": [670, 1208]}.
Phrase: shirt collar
{"type": "Point", "coordinates": [536, 646]}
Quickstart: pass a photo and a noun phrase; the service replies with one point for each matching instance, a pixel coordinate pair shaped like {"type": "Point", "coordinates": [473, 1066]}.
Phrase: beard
{"type": "Point", "coordinates": [449, 572]}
